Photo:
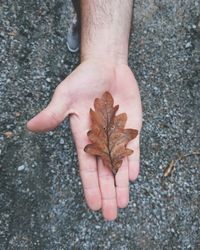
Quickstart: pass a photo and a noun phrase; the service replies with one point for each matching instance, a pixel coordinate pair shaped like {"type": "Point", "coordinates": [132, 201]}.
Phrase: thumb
{"type": "Point", "coordinates": [50, 117]}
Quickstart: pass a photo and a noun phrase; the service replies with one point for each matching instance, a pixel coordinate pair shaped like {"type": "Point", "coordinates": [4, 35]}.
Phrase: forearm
{"type": "Point", "coordinates": [105, 28]}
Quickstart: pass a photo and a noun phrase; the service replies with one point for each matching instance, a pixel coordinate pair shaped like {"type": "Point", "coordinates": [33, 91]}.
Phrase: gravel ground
{"type": "Point", "coordinates": [41, 198]}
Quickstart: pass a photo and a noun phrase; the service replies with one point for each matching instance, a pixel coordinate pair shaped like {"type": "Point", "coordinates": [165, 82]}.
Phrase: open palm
{"type": "Point", "coordinates": [75, 96]}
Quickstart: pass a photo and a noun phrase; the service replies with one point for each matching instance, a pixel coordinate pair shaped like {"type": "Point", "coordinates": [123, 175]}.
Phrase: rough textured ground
{"type": "Point", "coordinates": [41, 198]}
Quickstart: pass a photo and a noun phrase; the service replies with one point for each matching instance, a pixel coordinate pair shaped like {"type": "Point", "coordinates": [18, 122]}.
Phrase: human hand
{"type": "Point", "coordinates": [74, 97]}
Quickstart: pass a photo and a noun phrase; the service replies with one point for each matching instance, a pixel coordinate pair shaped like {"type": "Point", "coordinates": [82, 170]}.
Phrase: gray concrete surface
{"type": "Point", "coordinates": [41, 198]}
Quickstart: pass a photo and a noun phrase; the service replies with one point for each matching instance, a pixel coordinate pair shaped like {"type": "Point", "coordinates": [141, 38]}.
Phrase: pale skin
{"type": "Point", "coordinates": [105, 28]}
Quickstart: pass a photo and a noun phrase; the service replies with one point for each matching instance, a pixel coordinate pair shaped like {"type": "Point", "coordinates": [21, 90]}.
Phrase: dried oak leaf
{"type": "Point", "coordinates": [108, 135]}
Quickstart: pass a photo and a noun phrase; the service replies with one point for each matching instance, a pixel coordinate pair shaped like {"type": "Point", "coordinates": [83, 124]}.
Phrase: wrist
{"type": "Point", "coordinates": [105, 28]}
{"type": "Point", "coordinates": [110, 50]}
{"type": "Point", "coordinates": [108, 57]}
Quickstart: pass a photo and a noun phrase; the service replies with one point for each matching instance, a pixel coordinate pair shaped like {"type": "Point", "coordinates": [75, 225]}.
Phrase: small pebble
{"type": "Point", "coordinates": [188, 45]}
{"type": "Point", "coordinates": [62, 141]}
{"type": "Point", "coordinates": [189, 131]}
{"type": "Point", "coordinates": [20, 168]}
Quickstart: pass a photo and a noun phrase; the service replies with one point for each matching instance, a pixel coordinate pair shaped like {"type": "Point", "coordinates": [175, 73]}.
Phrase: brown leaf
{"type": "Point", "coordinates": [108, 135]}
{"type": "Point", "coordinates": [8, 134]}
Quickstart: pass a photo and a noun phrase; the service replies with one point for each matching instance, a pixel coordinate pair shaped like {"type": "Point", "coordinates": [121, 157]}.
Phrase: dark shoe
{"type": "Point", "coordinates": [73, 37]}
